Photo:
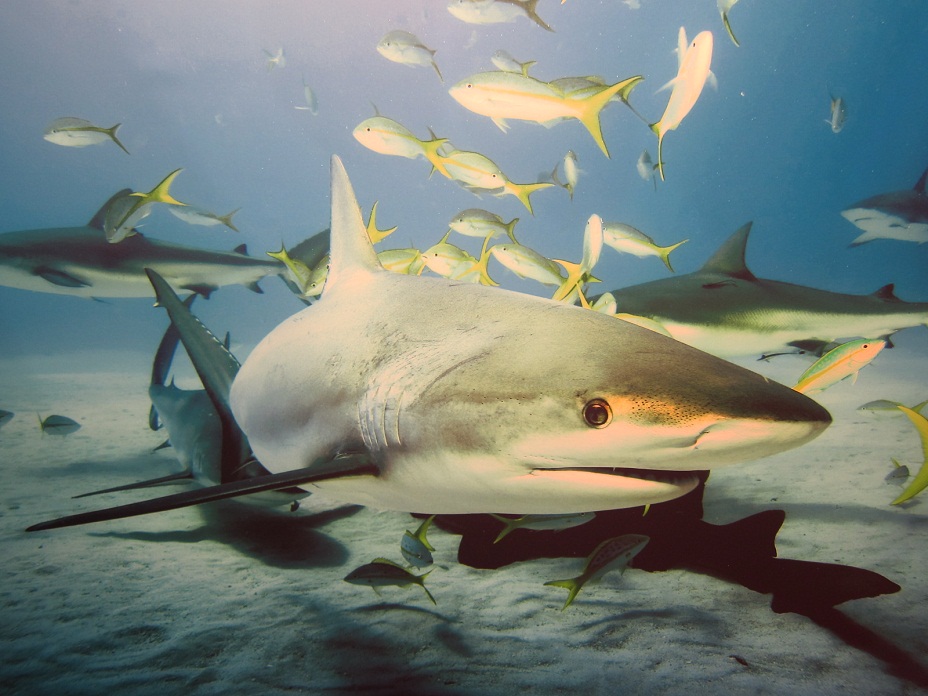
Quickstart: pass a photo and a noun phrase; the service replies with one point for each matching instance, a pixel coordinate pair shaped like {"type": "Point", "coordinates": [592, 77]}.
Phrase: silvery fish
{"type": "Point", "coordinates": [76, 132]}
{"type": "Point", "coordinates": [406, 48]}
{"type": "Point", "coordinates": [415, 546]}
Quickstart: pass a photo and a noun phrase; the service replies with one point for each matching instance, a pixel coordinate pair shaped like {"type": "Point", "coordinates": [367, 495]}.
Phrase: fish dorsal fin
{"type": "Point", "coordinates": [729, 259]}
{"type": "Point", "coordinates": [241, 249]}
{"type": "Point", "coordinates": [351, 251]}
{"type": "Point", "coordinates": [920, 184]}
{"type": "Point", "coordinates": [97, 220]}
{"type": "Point", "coordinates": [887, 293]}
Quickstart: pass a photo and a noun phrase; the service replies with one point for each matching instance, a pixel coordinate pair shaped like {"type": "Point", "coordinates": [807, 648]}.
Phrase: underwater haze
{"type": "Point", "coordinates": [191, 87]}
{"type": "Point", "coordinates": [251, 100]}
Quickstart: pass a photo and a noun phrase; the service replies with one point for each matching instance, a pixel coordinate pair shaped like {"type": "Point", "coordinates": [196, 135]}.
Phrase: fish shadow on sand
{"type": "Point", "coordinates": [277, 539]}
{"type": "Point", "coordinates": [743, 552]}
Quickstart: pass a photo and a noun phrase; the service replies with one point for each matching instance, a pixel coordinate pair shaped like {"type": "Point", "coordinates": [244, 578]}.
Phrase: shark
{"type": "Point", "coordinates": [899, 215]}
{"type": "Point", "coordinates": [724, 309]}
{"type": "Point", "coordinates": [469, 399]}
{"type": "Point", "coordinates": [80, 261]}
{"type": "Point", "coordinates": [431, 395]}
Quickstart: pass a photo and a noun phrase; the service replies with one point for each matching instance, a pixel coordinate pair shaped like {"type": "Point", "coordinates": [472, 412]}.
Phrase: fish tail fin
{"type": "Point", "coordinates": [731, 34]}
{"type": "Point", "coordinates": [510, 229]}
{"type": "Point", "coordinates": [483, 261]}
{"type": "Point", "coordinates": [420, 581]}
{"type": "Point", "coordinates": [509, 526]}
{"type": "Point", "coordinates": [523, 191]}
{"type": "Point", "coordinates": [531, 12]}
{"type": "Point", "coordinates": [227, 220]}
{"type": "Point", "coordinates": [112, 133]}
{"type": "Point", "coordinates": [572, 585]}
{"type": "Point", "coordinates": [656, 127]}
{"type": "Point", "coordinates": [594, 104]}
{"type": "Point", "coordinates": [920, 480]}
{"type": "Point", "coordinates": [162, 192]}
{"type": "Point", "coordinates": [430, 149]}
{"type": "Point", "coordinates": [435, 65]}
{"type": "Point", "coordinates": [665, 253]}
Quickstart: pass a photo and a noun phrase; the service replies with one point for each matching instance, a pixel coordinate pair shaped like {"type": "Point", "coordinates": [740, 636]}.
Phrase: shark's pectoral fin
{"type": "Point", "coordinates": [337, 467]}
{"type": "Point", "coordinates": [170, 478]}
{"type": "Point", "coordinates": [204, 290]}
{"type": "Point", "coordinates": [60, 278]}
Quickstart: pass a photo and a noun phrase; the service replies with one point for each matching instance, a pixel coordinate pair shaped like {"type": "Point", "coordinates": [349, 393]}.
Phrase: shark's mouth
{"type": "Point", "coordinates": [676, 478]}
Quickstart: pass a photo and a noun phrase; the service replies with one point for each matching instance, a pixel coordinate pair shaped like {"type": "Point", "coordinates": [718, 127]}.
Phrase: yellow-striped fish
{"type": "Point", "coordinates": [507, 95]}
{"type": "Point", "coordinates": [839, 363]}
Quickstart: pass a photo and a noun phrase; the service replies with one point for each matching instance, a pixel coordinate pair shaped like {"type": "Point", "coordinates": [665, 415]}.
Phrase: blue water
{"type": "Point", "coordinates": [189, 83]}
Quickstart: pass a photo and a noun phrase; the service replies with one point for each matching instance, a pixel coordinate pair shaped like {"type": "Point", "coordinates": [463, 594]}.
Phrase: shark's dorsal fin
{"type": "Point", "coordinates": [887, 292]}
{"type": "Point", "coordinates": [920, 184]}
{"type": "Point", "coordinates": [241, 249]}
{"type": "Point", "coordinates": [351, 248]}
{"type": "Point", "coordinates": [97, 220]}
{"type": "Point", "coordinates": [729, 259]}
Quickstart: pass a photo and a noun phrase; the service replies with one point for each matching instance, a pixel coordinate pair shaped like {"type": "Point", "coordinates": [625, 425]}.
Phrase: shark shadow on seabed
{"type": "Point", "coordinates": [743, 552]}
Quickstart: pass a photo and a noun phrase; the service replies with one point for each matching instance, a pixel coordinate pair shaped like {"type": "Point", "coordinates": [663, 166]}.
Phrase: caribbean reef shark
{"type": "Point", "coordinates": [897, 215]}
{"type": "Point", "coordinates": [726, 310]}
{"type": "Point", "coordinates": [80, 261]}
{"type": "Point", "coordinates": [428, 395]}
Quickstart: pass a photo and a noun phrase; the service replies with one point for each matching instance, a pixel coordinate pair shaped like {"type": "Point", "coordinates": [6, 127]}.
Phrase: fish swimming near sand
{"type": "Point", "coordinates": [612, 554]}
{"type": "Point", "coordinates": [58, 425]}
{"type": "Point", "coordinates": [536, 522]}
{"type": "Point", "coordinates": [841, 362]}
{"type": "Point", "coordinates": [382, 572]}
{"type": "Point", "coordinates": [724, 309]}
{"type": "Point", "coordinates": [386, 394]}
{"type": "Point", "coordinates": [901, 215]}
{"type": "Point", "coordinates": [415, 546]}
{"type": "Point", "coordinates": [79, 261]}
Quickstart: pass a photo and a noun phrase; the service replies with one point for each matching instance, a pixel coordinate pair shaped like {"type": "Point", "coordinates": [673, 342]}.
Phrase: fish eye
{"type": "Point", "coordinates": [597, 413]}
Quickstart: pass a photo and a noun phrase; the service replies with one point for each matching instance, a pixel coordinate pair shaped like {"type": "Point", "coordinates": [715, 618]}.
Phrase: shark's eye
{"type": "Point", "coordinates": [597, 413]}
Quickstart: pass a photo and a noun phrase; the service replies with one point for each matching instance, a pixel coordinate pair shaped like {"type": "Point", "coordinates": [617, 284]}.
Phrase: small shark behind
{"type": "Point", "coordinates": [899, 215]}
{"type": "Point", "coordinates": [79, 261]}
{"type": "Point", "coordinates": [475, 399]}
{"type": "Point", "coordinates": [726, 310]}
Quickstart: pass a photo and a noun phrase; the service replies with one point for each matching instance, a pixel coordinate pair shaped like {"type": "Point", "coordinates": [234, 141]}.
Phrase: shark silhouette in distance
{"type": "Point", "coordinates": [80, 261]}
{"type": "Point", "coordinates": [899, 215]}
{"type": "Point", "coordinates": [724, 309]}
{"type": "Point", "coordinates": [428, 395]}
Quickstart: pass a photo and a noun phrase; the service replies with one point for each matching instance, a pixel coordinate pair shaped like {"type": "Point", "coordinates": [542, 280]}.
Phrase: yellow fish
{"type": "Point", "coordinates": [839, 363]}
{"type": "Point", "coordinates": [477, 171]}
{"type": "Point", "coordinates": [920, 482]}
{"type": "Point", "coordinates": [502, 95]}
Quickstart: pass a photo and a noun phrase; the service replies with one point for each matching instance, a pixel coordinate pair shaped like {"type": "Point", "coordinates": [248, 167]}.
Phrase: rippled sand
{"type": "Point", "coordinates": [228, 600]}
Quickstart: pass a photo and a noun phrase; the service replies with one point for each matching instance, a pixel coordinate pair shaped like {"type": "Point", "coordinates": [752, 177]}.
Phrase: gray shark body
{"type": "Point", "coordinates": [726, 310]}
{"type": "Point", "coordinates": [80, 261]}
{"type": "Point", "coordinates": [901, 215]}
{"type": "Point", "coordinates": [429, 395]}
{"type": "Point", "coordinates": [474, 399]}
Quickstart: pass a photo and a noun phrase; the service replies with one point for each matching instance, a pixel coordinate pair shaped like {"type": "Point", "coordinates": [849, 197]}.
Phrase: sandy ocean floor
{"type": "Point", "coordinates": [230, 600]}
